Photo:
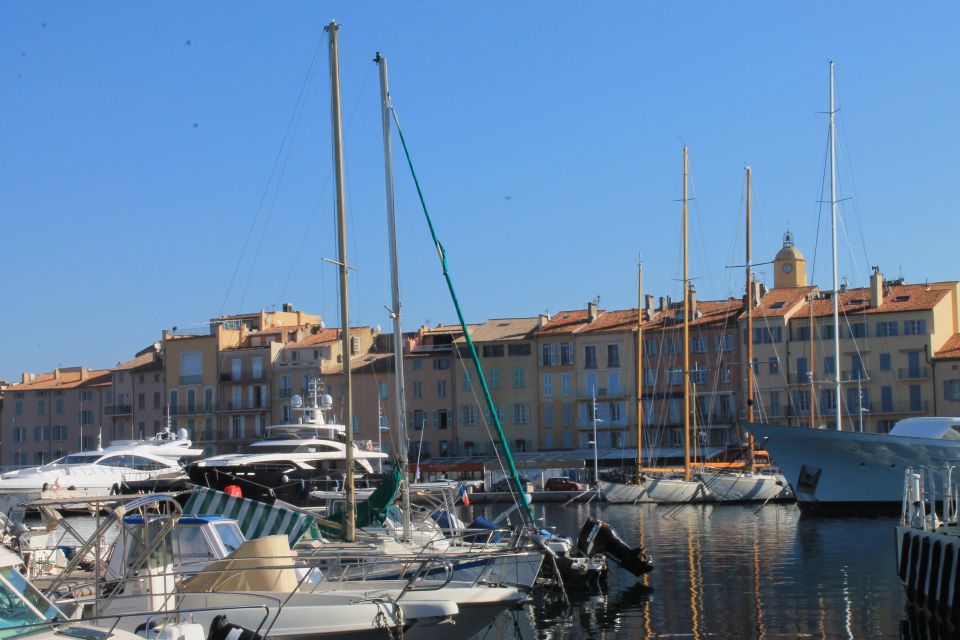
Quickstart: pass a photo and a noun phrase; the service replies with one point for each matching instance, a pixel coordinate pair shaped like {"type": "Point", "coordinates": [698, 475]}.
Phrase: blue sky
{"type": "Point", "coordinates": [138, 141]}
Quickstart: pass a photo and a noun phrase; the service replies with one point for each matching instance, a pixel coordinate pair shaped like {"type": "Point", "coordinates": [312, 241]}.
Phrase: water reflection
{"type": "Point", "coordinates": [730, 572]}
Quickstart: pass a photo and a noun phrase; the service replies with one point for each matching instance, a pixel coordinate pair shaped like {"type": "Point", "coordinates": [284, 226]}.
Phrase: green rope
{"type": "Point", "coordinates": [521, 492]}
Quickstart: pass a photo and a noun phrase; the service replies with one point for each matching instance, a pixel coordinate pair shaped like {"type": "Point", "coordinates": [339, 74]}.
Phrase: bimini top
{"type": "Point", "coordinates": [928, 427]}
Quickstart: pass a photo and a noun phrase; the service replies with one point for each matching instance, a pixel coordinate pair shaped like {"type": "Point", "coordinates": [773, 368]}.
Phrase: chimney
{"type": "Point", "coordinates": [669, 302]}
{"type": "Point", "coordinates": [542, 320]}
{"type": "Point", "coordinates": [693, 303]}
{"type": "Point", "coordinates": [287, 307]}
{"type": "Point", "coordinates": [663, 303]}
{"type": "Point", "coordinates": [56, 373]}
{"type": "Point", "coordinates": [876, 288]}
{"type": "Point", "coordinates": [84, 373]}
{"type": "Point", "coordinates": [592, 310]}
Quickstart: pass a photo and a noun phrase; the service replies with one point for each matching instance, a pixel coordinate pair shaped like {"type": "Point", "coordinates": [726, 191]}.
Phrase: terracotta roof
{"type": "Point", "coordinates": [142, 361]}
{"type": "Point", "coordinates": [950, 349]}
{"type": "Point", "coordinates": [898, 298]}
{"type": "Point", "coordinates": [501, 329]}
{"type": "Point", "coordinates": [619, 320]}
{"type": "Point", "coordinates": [709, 312]}
{"type": "Point", "coordinates": [779, 302]}
{"type": "Point", "coordinates": [564, 322]}
{"type": "Point", "coordinates": [70, 379]}
{"type": "Point", "coordinates": [325, 336]}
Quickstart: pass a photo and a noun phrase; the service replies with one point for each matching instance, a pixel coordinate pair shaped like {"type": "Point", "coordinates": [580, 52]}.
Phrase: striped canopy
{"type": "Point", "coordinates": [256, 519]}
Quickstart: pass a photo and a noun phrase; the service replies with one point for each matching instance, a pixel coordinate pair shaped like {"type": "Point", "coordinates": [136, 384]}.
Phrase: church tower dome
{"type": "Point", "coordinates": [790, 267]}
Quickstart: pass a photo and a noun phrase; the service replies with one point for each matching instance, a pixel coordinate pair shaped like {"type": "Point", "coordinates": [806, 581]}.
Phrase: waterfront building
{"type": "Point", "coordinates": [945, 374]}
{"type": "Point", "coordinates": [432, 394]}
{"type": "Point", "coordinates": [715, 376]}
{"type": "Point", "coordinates": [505, 347]}
{"type": "Point", "coordinates": [137, 408]}
{"type": "Point", "coordinates": [48, 415]}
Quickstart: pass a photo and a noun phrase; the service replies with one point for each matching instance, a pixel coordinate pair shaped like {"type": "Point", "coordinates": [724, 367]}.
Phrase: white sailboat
{"type": "Point", "coordinates": [660, 488]}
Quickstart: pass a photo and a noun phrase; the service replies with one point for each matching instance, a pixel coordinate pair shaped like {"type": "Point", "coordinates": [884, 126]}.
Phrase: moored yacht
{"type": "Point", "coordinates": [291, 461]}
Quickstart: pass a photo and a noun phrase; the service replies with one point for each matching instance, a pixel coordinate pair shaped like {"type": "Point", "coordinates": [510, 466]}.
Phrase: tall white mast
{"type": "Point", "coordinates": [398, 388]}
{"type": "Point", "coordinates": [833, 229]}
{"type": "Point", "coordinates": [349, 528]}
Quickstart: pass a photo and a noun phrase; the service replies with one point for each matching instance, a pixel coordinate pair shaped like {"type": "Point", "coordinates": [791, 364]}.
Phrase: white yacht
{"type": "Point", "coordinates": [122, 465]}
{"type": "Point", "coordinates": [291, 461]}
{"type": "Point", "coordinates": [829, 468]}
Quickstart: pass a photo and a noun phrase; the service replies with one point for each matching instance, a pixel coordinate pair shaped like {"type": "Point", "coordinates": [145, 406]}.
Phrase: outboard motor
{"type": "Point", "coordinates": [597, 536]}
{"type": "Point", "coordinates": [222, 629]}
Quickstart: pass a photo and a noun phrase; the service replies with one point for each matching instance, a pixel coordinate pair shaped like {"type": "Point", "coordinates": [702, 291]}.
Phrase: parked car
{"type": "Point", "coordinates": [562, 484]}
{"type": "Point", "coordinates": [504, 484]}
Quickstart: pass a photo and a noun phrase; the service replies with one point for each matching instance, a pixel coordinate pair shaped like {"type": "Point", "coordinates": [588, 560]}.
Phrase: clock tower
{"type": "Point", "coordinates": [790, 267]}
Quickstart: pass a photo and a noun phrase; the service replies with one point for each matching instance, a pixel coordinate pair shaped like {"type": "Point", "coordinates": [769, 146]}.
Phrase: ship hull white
{"type": "Point", "coordinates": [748, 487]}
{"type": "Point", "coordinates": [654, 490]}
{"type": "Point", "coordinates": [841, 468]}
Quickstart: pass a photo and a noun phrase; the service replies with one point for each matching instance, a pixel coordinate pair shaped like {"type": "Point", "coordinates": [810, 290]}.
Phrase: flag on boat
{"type": "Point", "coordinates": [463, 494]}
{"type": "Point", "coordinates": [256, 519]}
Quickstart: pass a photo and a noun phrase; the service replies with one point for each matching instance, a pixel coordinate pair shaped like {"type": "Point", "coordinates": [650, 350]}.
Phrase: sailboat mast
{"type": "Point", "coordinates": [833, 229]}
{"type": "Point", "coordinates": [639, 381]}
{"type": "Point", "coordinates": [349, 530]}
{"type": "Point", "coordinates": [399, 392]}
{"type": "Point", "coordinates": [749, 275]}
{"type": "Point", "coordinates": [686, 333]}
{"type": "Point", "coordinates": [813, 388]}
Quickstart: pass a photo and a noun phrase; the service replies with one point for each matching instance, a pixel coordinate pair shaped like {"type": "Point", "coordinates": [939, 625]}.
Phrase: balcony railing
{"type": "Point", "coordinates": [188, 380]}
{"type": "Point", "coordinates": [912, 373]}
{"type": "Point", "coordinates": [898, 407]}
{"type": "Point", "coordinates": [246, 376]}
{"type": "Point", "coordinates": [118, 410]}
{"type": "Point", "coordinates": [243, 405]}
{"type": "Point", "coordinates": [191, 410]}
{"type": "Point", "coordinates": [602, 392]}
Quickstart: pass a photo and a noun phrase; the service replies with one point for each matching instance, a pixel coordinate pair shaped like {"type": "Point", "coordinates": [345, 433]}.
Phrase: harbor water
{"type": "Point", "coordinates": [728, 572]}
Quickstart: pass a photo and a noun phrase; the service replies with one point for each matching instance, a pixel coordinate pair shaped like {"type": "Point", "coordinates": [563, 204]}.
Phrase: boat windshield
{"type": "Point", "coordinates": [21, 606]}
{"type": "Point", "coordinates": [79, 458]}
{"type": "Point", "coordinates": [230, 535]}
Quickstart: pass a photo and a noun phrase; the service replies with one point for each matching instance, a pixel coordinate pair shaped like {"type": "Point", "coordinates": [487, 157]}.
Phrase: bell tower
{"type": "Point", "coordinates": [790, 267]}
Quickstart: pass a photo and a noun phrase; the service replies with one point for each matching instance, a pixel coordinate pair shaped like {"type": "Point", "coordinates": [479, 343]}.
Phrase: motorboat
{"type": "Point", "coordinates": [293, 459]}
{"type": "Point", "coordinates": [125, 464]}
{"type": "Point", "coordinates": [850, 469]}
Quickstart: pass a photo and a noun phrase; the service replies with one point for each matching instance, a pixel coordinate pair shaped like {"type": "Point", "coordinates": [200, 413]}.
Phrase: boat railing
{"type": "Point", "coordinates": [931, 497]}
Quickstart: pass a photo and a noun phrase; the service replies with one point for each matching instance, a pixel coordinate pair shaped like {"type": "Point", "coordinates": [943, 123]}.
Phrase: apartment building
{"type": "Point", "coordinates": [505, 347]}
{"type": "Point", "coordinates": [191, 363]}
{"type": "Point", "coordinates": [945, 372]}
{"type": "Point", "coordinates": [48, 415]}
{"type": "Point", "coordinates": [138, 389]}
{"type": "Point", "coordinates": [556, 374]}
{"type": "Point", "coordinates": [432, 394]}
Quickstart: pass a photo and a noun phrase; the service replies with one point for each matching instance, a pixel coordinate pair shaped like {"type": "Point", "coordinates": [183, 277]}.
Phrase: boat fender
{"type": "Point", "coordinates": [222, 629]}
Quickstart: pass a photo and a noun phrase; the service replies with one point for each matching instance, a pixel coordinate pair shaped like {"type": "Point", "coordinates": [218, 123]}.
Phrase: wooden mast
{"type": "Point", "coordinates": [686, 333]}
{"type": "Point", "coordinates": [750, 372]}
{"type": "Point", "coordinates": [813, 389]}
{"type": "Point", "coordinates": [639, 381]}
{"type": "Point", "coordinates": [349, 528]}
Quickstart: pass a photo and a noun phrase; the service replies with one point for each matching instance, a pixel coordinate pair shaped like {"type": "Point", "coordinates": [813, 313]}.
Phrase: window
{"type": "Point", "coordinates": [294, 356]}
{"type": "Point", "coordinates": [441, 388]}
{"type": "Point", "coordinates": [441, 364]}
{"type": "Point", "coordinates": [522, 349]}
{"type": "Point", "coordinates": [236, 369]}
{"type": "Point", "coordinates": [698, 344]}
{"type": "Point", "coordinates": [548, 415]}
{"type": "Point", "coordinates": [286, 413]}
{"type": "Point", "coordinates": [417, 389]}
{"type": "Point", "coordinates": [441, 419]}
{"type": "Point", "coordinates": [156, 399]}
{"type": "Point", "coordinates": [886, 399]}
{"type": "Point", "coordinates": [546, 355]}
{"type": "Point", "coordinates": [803, 333]}
{"type": "Point", "coordinates": [356, 422]}
{"type": "Point", "coordinates": [237, 427]}
{"type": "Point", "coordinates": [613, 383]}
{"type": "Point", "coordinates": [192, 400]}
{"type": "Point", "coordinates": [493, 351]}
{"type": "Point", "coordinates": [676, 437]}
{"type": "Point", "coordinates": [650, 347]}
{"type": "Point", "coordinates": [191, 367]}
{"type": "Point", "coordinates": [914, 327]}
{"type": "Point", "coordinates": [286, 390]}
{"type": "Point", "coordinates": [674, 376]}
{"type": "Point", "coordinates": [468, 415]}
{"type": "Point", "coordinates": [566, 409]}
{"type": "Point", "coordinates": [725, 374]}
{"type": "Point", "coordinates": [384, 390]}
{"type": "Point", "coordinates": [519, 378]}
{"type": "Point", "coordinates": [548, 441]}
{"type": "Point", "coordinates": [649, 377]}
{"type": "Point", "coordinates": [494, 378]}
{"type": "Point", "coordinates": [86, 417]}
{"type": "Point", "coordinates": [566, 353]}
{"type": "Point", "coordinates": [86, 396]}
{"type": "Point", "coordinates": [803, 370]}
{"type": "Point", "coordinates": [885, 362]}
{"type": "Point", "coordinates": [257, 367]}
{"type": "Point", "coordinates": [520, 414]}
{"type": "Point", "coordinates": [355, 345]}
{"type": "Point", "coordinates": [916, 403]}
{"type": "Point", "coordinates": [858, 330]}
{"type": "Point", "coordinates": [774, 365]}
{"type": "Point", "coordinates": [857, 371]}
{"type": "Point", "coordinates": [829, 365]}
{"type": "Point", "coordinates": [774, 408]}
{"type": "Point", "coordinates": [951, 389]}
{"type": "Point", "coordinates": [613, 356]}
{"type": "Point", "coordinates": [590, 357]}
{"type": "Point", "coordinates": [60, 433]}
{"type": "Point", "coordinates": [547, 385]}
{"type": "Point", "coordinates": [617, 412]}
{"type": "Point", "coordinates": [565, 385]}
{"type": "Point", "coordinates": [42, 407]}
{"type": "Point", "coordinates": [724, 344]}
{"type": "Point", "coordinates": [591, 383]}
{"type": "Point", "coordinates": [416, 365]}
{"type": "Point", "coordinates": [828, 400]}
{"type": "Point", "coordinates": [884, 329]}
{"type": "Point", "coordinates": [673, 409]}
{"type": "Point", "coordinates": [41, 434]}
{"type": "Point", "coordinates": [208, 400]}
{"type": "Point", "coordinates": [58, 406]}
{"type": "Point", "coordinates": [767, 335]}
{"type": "Point", "coordinates": [141, 401]}
{"type": "Point", "coordinates": [698, 375]}
{"type": "Point", "coordinates": [467, 381]}
{"type": "Point", "coordinates": [18, 407]}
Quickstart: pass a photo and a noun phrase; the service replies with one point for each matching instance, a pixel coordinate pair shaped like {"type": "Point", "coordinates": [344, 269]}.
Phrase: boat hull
{"type": "Point", "coordinates": [734, 487]}
{"type": "Point", "coordinates": [656, 491]}
{"type": "Point", "coordinates": [834, 469]}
